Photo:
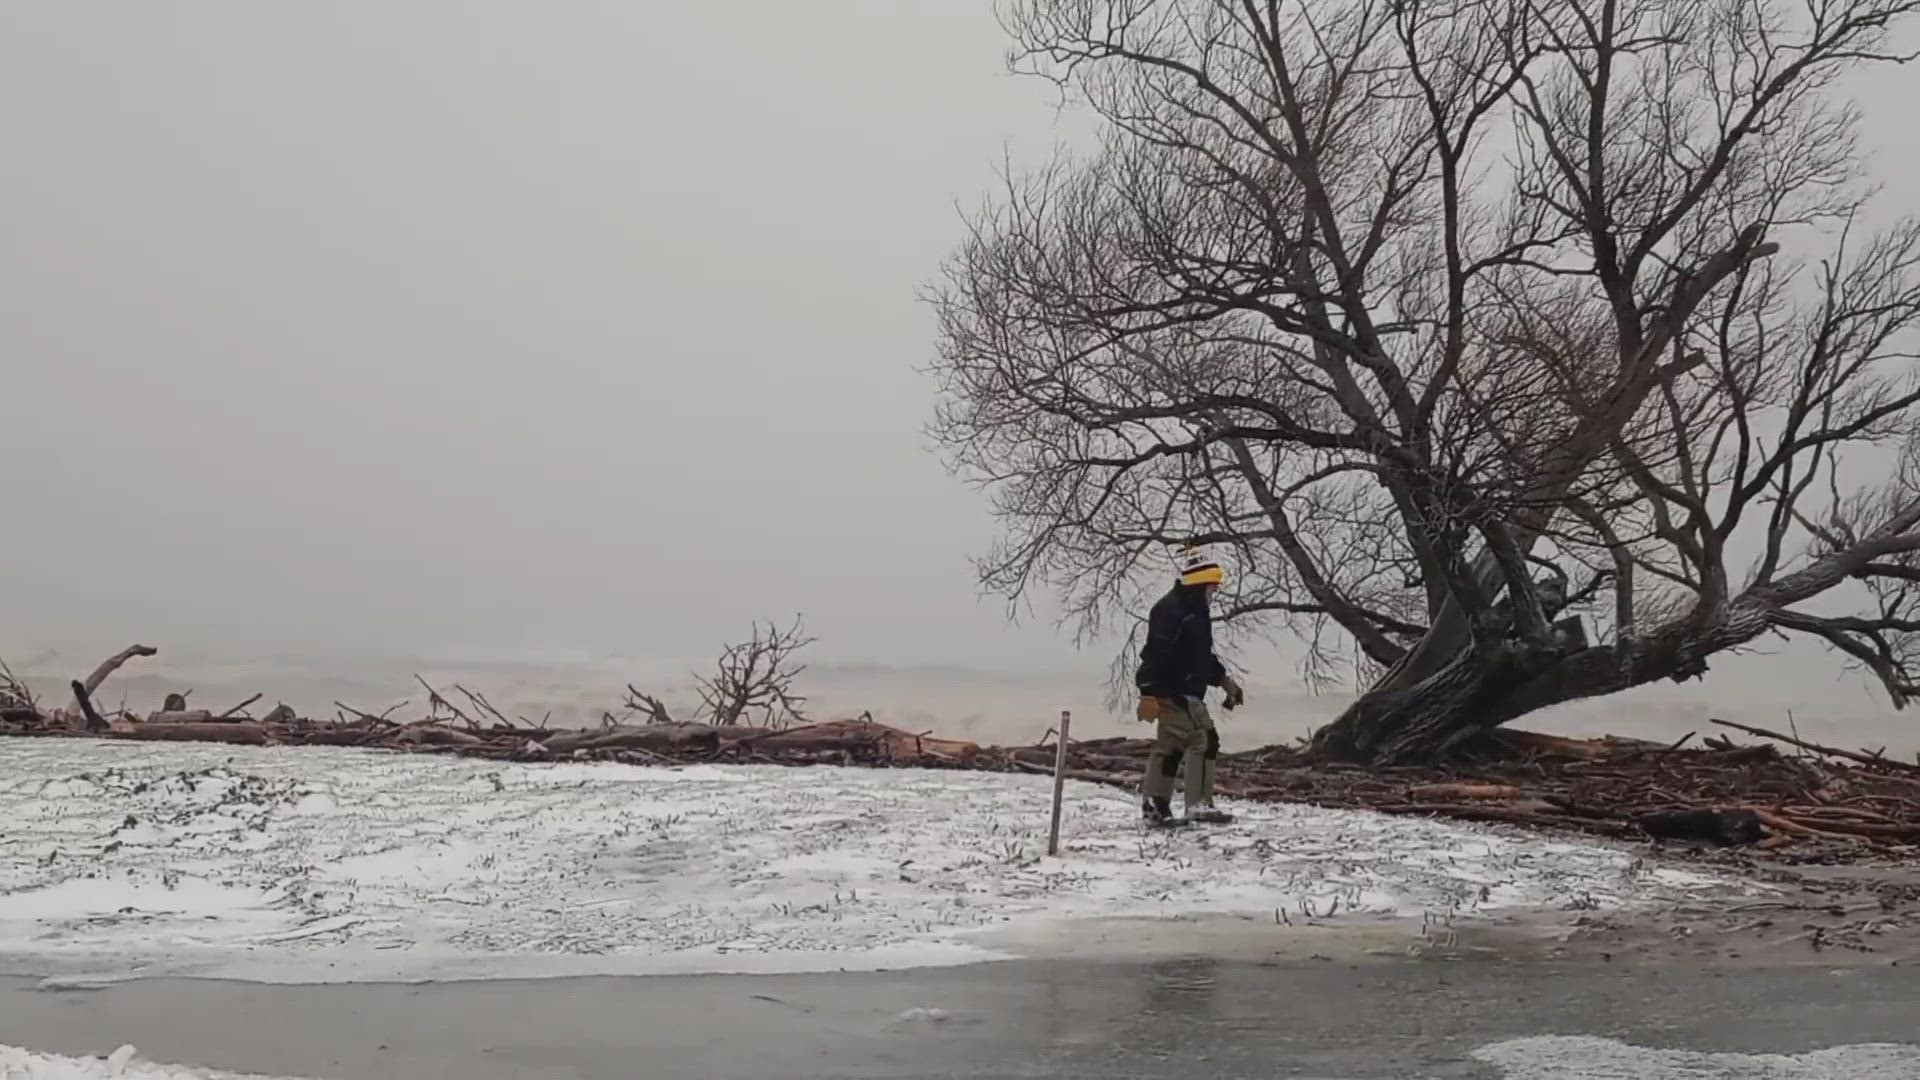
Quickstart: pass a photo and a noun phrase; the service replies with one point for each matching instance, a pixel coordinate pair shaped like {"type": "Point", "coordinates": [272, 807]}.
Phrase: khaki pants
{"type": "Point", "coordinates": [1184, 735]}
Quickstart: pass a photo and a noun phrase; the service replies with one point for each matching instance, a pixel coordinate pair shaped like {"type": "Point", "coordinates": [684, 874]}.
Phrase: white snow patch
{"type": "Point", "coordinates": [1584, 1057]}
{"type": "Point", "coordinates": [18, 1064]}
{"type": "Point", "coordinates": [316, 865]}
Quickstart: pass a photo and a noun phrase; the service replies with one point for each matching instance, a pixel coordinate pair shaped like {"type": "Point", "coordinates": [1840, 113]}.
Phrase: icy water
{"type": "Point", "coordinates": [1186, 1018]}
{"type": "Point", "coordinates": [1794, 687]}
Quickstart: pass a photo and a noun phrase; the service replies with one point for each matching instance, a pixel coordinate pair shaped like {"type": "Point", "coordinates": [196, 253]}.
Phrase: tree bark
{"type": "Point", "coordinates": [1485, 686]}
{"type": "Point", "coordinates": [1427, 720]}
{"type": "Point", "coordinates": [83, 700]}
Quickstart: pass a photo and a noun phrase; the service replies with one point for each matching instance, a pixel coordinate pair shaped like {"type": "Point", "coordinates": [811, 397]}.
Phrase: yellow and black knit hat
{"type": "Point", "coordinates": [1196, 568]}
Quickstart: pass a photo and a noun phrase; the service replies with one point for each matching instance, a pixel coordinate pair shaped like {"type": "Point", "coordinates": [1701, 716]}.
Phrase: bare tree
{"type": "Point", "coordinates": [754, 680]}
{"type": "Point", "coordinates": [1449, 316]}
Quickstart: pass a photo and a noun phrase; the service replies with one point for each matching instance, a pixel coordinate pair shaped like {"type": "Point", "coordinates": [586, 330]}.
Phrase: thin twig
{"type": "Point", "coordinates": [1830, 751]}
{"type": "Point", "coordinates": [435, 701]}
{"type": "Point", "coordinates": [480, 702]}
{"type": "Point", "coordinates": [230, 712]}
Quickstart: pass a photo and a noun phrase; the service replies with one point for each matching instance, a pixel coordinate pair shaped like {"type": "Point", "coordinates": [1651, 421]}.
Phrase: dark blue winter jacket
{"type": "Point", "coordinates": [1177, 659]}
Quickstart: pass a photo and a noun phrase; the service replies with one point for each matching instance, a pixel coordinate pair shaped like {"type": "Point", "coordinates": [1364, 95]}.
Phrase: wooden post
{"type": "Point", "coordinates": [1059, 781]}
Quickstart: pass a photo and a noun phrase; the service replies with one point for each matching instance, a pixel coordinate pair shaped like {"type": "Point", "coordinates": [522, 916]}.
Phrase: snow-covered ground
{"type": "Point", "coordinates": [122, 1064]}
{"type": "Point", "coordinates": [1583, 1057]}
{"type": "Point", "coordinates": [319, 865]}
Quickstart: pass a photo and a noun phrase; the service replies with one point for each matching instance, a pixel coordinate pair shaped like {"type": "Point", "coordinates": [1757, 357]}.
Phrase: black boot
{"type": "Point", "coordinates": [1156, 811]}
{"type": "Point", "coordinates": [1208, 814]}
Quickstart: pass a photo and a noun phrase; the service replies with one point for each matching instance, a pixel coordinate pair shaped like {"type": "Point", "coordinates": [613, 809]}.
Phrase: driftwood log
{"type": "Point", "coordinates": [1448, 792]}
{"type": "Point", "coordinates": [182, 716]}
{"type": "Point", "coordinates": [244, 733]}
{"type": "Point", "coordinates": [656, 738]}
{"type": "Point", "coordinates": [83, 698]}
{"type": "Point", "coordinates": [1722, 827]}
{"type": "Point", "coordinates": [111, 664]}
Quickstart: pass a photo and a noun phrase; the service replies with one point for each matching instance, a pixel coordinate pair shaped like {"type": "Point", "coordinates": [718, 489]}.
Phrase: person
{"type": "Point", "coordinates": [1177, 667]}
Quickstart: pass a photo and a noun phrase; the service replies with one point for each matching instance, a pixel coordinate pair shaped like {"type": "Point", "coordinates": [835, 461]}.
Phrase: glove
{"type": "Point", "coordinates": [1236, 697]}
{"type": "Point", "coordinates": [1148, 710]}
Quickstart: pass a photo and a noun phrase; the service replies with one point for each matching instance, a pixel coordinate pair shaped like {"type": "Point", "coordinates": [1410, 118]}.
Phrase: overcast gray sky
{"type": "Point", "coordinates": [500, 327]}
{"type": "Point", "coordinates": [490, 326]}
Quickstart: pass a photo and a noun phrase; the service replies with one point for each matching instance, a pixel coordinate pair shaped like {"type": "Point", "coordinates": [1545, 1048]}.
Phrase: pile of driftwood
{"type": "Point", "coordinates": [1818, 803]}
{"type": "Point", "coordinates": [480, 730]}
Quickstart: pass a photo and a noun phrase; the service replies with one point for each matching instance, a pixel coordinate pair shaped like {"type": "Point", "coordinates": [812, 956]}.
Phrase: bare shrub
{"type": "Point", "coordinates": [752, 684]}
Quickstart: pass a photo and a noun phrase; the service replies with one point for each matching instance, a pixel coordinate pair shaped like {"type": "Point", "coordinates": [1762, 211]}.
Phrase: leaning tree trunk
{"type": "Point", "coordinates": [1454, 685]}
{"type": "Point", "coordinates": [1487, 685]}
{"type": "Point", "coordinates": [1423, 722]}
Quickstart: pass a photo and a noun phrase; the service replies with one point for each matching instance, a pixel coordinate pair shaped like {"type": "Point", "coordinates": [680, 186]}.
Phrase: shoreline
{"type": "Point", "coordinates": [291, 865]}
{"type": "Point", "coordinates": [1806, 963]}
{"type": "Point", "coordinates": [1717, 799]}
{"type": "Point", "coordinates": [1771, 932]}
{"type": "Point", "coordinates": [331, 864]}
{"type": "Point", "coordinates": [1813, 803]}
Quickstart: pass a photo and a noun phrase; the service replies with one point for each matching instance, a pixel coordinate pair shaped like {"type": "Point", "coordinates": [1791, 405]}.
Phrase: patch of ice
{"type": "Point", "coordinates": [19, 1064]}
{"type": "Point", "coordinates": [318, 865]}
{"type": "Point", "coordinates": [1583, 1057]}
